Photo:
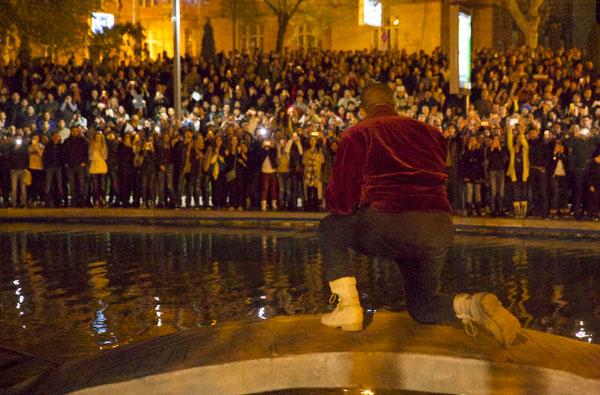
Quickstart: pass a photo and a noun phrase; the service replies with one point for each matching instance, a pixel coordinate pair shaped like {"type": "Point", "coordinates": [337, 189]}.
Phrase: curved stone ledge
{"type": "Point", "coordinates": [393, 352]}
{"type": "Point", "coordinates": [275, 220]}
{"type": "Point", "coordinates": [414, 372]}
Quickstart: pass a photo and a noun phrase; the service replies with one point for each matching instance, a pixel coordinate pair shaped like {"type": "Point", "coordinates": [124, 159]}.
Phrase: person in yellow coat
{"type": "Point", "coordinates": [518, 167]}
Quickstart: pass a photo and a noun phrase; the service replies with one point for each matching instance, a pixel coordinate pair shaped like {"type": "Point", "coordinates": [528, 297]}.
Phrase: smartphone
{"type": "Point", "coordinates": [513, 122]}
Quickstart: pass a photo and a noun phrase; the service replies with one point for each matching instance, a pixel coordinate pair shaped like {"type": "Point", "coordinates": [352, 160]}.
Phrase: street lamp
{"type": "Point", "coordinates": [176, 60]}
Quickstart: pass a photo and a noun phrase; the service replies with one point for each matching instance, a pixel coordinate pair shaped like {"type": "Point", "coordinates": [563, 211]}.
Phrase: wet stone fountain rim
{"type": "Point", "coordinates": [393, 352]}
{"type": "Point", "coordinates": [283, 221]}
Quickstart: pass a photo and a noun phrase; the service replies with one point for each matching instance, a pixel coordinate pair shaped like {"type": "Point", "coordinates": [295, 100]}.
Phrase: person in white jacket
{"type": "Point", "coordinates": [98, 153]}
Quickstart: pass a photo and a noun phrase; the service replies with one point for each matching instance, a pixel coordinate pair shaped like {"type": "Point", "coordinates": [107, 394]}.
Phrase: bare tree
{"type": "Point", "coordinates": [528, 16]}
{"type": "Point", "coordinates": [283, 10]}
{"type": "Point", "coordinates": [240, 11]}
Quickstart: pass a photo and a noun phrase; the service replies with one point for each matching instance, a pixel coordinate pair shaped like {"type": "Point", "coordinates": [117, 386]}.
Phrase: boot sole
{"type": "Point", "coordinates": [352, 327]}
{"type": "Point", "coordinates": [499, 321]}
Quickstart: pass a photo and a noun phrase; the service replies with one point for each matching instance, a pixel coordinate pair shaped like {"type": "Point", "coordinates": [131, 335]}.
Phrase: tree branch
{"type": "Point", "coordinates": [534, 7]}
{"type": "Point", "coordinates": [295, 8]}
{"type": "Point", "coordinates": [518, 15]}
{"type": "Point", "coordinates": [271, 6]}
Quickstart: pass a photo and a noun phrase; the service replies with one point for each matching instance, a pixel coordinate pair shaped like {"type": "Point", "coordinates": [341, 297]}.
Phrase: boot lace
{"type": "Point", "coordinates": [334, 298]}
{"type": "Point", "coordinates": [470, 328]}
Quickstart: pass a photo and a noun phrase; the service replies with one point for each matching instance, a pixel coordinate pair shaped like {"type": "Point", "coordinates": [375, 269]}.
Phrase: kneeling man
{"type": "Point", "coordinates": [387, 199]}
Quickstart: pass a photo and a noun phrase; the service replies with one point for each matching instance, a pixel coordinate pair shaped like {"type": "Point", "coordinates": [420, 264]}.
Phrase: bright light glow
{"type": "Point", "coordinates": [582, 333]}
{"type": "Point", "coordinates": [396, 22]}
{"type": "Point", "coordinates": [158, 314]}
{"type": "Point", "coordinates": [367, 392]}
{"type": "Point", "coordinates": [464, 50]}
{"type": "Point", "coordinates": [370, 12]}
{"type": "Point", "coordinates": [99, 324]}
{"type": "Point", "coordinates": [101, 20]}
{"type": "Point", "coordinates": [585, 131]}
{"type": "Point", "coordinates": [261, 313]}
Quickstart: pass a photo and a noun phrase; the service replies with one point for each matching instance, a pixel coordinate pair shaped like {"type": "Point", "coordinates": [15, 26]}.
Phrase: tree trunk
{"type": "Point", "coordinates": [528, 23]}
{"type": "Point", "coordinates": [532, 35]}
{"type": "Point", "coordinates": [282, 24]}
{"type": "Point", "coordinates": [234, 25]}
{"type": "Point", "coordinates": [233, 34]}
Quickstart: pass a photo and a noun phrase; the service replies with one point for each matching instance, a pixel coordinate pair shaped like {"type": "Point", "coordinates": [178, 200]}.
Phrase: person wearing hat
{"type": "Point", "coordinates": [387, 199]}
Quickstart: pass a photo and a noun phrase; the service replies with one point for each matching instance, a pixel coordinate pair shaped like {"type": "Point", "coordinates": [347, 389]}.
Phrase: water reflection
{"type": "Point", "coordinates": [68, 293]}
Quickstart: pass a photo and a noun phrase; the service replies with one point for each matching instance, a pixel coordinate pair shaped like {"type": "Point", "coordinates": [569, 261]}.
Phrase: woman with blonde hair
{"type": "Point", "coordinates": [36, 168]}
{"type": "Point", "coordinates": [98, 154]}
{"type": "Point", "coordinates": [518, 169]}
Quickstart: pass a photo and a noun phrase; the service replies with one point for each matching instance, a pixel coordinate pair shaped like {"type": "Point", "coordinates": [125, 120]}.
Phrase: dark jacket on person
{"type": "Point", "coordinates": [54, 155]}
{"type": "Point", "coordinates": [149, 163]}
{"type": "Point", "coordinates": [391, 164]}
{"type": "Point", "coordinates": [271, 153]}
{"type": "Point", "coordinates": [125, 155]}
{"type": "Point", "coordinates": [164, 155]}
{"type": "Point", "coordinates": [539, 152]}
{"type": "Point", "coordinates": [19, 157]}
{"type": "Point", "coordinates": [76, 150]}
{"type": "Point", "coordinates": [556, 157]}
{"type": "Point", "coordinates": [113, 154]}
{"type": "Point", "coordinates": [581, 151]}
{"type": "Point", "coordinates": [5, 150]}
{"type": "Point", "coordinates": [497, 159]}
{"type": "Point", "coordinates": [594, 176]}
{"type": "Point", "coordinates": [471, 165]}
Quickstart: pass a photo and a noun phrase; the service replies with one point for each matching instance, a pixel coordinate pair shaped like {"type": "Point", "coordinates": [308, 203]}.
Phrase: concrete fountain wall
{"type": "Point", "coordinates": [393, 352]}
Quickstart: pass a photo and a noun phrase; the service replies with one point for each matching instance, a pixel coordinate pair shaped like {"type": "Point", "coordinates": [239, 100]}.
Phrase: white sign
{"type": "Point", "coordinates": [369, 12]}
{"type": "Point", "coordinates": [464, 50]}
{"type": "Point", "coordinates": [102, 20]}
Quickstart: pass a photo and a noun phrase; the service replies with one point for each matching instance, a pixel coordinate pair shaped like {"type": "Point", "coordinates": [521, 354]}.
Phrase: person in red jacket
{"type": "Point", "coordinates": [387, 199]}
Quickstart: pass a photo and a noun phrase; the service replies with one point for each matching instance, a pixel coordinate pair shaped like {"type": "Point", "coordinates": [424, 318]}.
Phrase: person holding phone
{"type": "Point", "coordinates": [19, 162]}
{"type": "Point", "coordinates": [518, 168]}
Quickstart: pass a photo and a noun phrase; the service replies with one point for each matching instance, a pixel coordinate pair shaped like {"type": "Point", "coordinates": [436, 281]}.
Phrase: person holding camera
{"type": "Point", "coordinates": [267, 158]}
{"type": "Point", "coordinates": [19, 162]}
{"type": "Point", "coordinates": [54, 160]}
{"type": "Point", "coordinates": [35, 195]}
{"type": "Point", "coordinates": [518, 168]}
{"type": "Point", "coordinates": [98, 169]}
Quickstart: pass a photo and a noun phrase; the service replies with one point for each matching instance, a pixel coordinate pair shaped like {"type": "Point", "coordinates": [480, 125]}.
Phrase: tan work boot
{"type": "Point", "coordinates": [348, 313]}
{"type": "Point", "coordinates": [485, 310]}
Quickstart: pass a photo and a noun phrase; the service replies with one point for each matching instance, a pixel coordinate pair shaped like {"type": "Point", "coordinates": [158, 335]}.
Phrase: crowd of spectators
{"type": "Point", "coordinates": [261, 130]}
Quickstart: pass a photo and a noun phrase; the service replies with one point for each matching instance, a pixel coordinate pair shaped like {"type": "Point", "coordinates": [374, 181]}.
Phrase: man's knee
{"type": "Point", "coordinates": [327, 225]}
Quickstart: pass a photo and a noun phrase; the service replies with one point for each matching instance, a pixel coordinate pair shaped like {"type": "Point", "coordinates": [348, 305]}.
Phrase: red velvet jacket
{"type": "Point", "coordinates": [389, 163]}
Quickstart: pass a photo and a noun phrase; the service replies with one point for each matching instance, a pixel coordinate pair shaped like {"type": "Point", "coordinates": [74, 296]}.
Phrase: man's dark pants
{"type": "Point", "coordinates": [77, 185]}
{"type": "Point", "coordinates": [538, 182]}
{"type": "Point", "coordinates": [416, 240]}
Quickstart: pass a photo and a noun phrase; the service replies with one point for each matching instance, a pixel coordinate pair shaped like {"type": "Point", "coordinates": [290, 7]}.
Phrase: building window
{"type": "Point", "coordinates": [251, 36]}
{"type": "Point", "coordinates": [189, 42]}
{"type": "Point", "coordinates": [305, 36]}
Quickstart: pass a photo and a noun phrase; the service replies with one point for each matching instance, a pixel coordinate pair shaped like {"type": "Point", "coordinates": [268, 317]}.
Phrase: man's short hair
{"type": "Point", "coordinates": [376, 94]}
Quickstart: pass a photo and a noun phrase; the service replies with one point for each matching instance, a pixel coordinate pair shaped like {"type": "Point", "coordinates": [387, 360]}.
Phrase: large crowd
{"type": "Point", "coordinates": [261, 130]}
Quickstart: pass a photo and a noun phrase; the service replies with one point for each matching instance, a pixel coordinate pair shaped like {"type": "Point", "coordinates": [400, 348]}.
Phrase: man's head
{"type": "Point", "coordinates": [375, 96]}
{"type": "Point", "coordinates": [56, 138]}
{"type": "Point", "coordinates": [75, 131]}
